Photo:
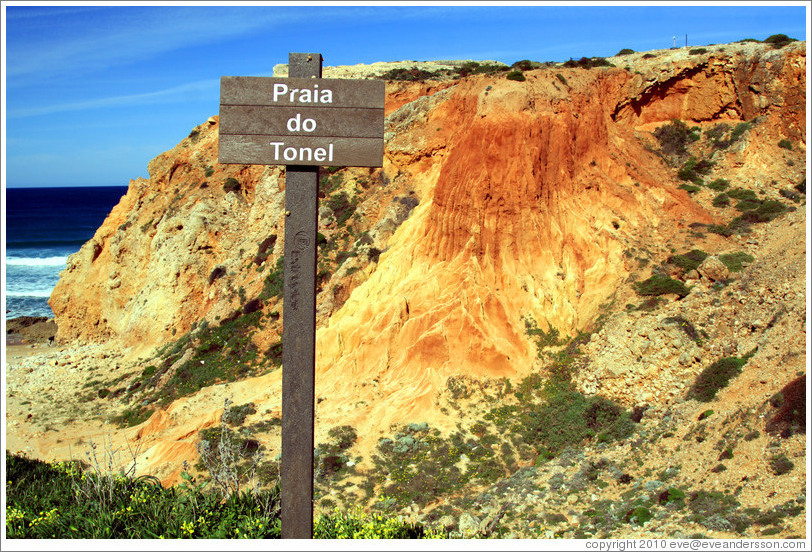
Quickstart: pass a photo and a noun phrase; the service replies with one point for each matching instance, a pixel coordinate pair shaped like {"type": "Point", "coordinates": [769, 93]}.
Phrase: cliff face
{"type": "Point", "coordinates": [527, 198]}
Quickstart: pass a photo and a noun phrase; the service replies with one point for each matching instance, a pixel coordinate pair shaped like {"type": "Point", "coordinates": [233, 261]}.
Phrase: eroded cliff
{"type": "Point", "coordinates": [502, 206]}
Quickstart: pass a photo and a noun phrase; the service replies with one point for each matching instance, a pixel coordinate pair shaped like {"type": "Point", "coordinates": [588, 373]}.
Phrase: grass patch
{"type": "Point", "coordinates": [62, 501]}
{"type": "Point", "coordinates": [735, 262]}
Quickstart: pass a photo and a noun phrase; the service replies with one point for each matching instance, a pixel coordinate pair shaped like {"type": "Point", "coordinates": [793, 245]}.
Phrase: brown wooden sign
{"type": "Point", "coordinates": [299, 121]}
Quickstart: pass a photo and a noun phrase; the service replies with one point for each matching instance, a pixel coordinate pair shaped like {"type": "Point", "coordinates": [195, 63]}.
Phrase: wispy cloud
{"type": "Point", "coordinates": [45, 43]}
{"type": "Point", "coordinates": [176, 93]}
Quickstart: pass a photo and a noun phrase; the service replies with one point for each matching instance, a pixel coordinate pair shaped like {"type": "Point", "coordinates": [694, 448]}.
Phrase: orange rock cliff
{"type": "Point", "coordinates": [526, 197]}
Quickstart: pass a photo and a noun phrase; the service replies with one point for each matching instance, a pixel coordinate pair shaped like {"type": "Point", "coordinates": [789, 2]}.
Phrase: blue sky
{"type": "Point", "coordinates": [93, 92]}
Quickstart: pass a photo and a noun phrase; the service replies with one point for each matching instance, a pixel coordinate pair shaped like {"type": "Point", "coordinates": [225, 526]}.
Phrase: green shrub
{"type": "Point", "coordinates": [218, 272]}
{"type": "Point", "coordinates": [516, 76]}
{"type": "Point", "coordinates": [525, 65]}
{"type": "Point", "coordinates": [567, 418]}
{"type": "Point", "coordinates": [673, 137]}
{"type": "Point", "coordinates": [649, 56]}
{"type": "Point", "coordinates": [356, 525]}
{"type": "Point", "coordinates": [690, 188]}
{"type": "Point", "coordinates": [688, 261]}
{"type": "Point", "coordinates": [740, 193]}
{"type": "Point", "coordinates": [721, 200]}
{"type": "Point", "coordinates": [693, 169]}
{"type": "Point", "coordinates": [413, 74]}
{"type": "Point", "coordinates": [780, 464]}
{"type": "Point", "coordinates": [625, 52]}
{"type": "Point", "coordinates": [719, 184]}
{"type": "Point", "coordinates": [235, 415]}
{"type": "Point", "coordinates": [785, 144]}
{"type": "Point", "coordinates": [696, 51]}
{"type": "Point", "coordinates": [562, 78]}
{"type": "Point", "coordinates": [672, 495]}
{"type": "Point", "coordinates": [739, 130]}
{"type": "Point", "coordinates": [231, 185]}
{"type": "Point", "coordinates": [779, 40]}
{"type": "Point", "coordinates": [790, 194]}
{"type": "Point", "coordinates": [726, 454]}
{"type": "Point", "coordinates": [588, 63]}
{"type": "Point", "coordinates": [715, 377]}
{"type": "Point", "coordinates": [661, 285]}
{"type": "Point", "coordinates": [735, 261]}
{"type": "Point", "coordinates": [342, 207]}
{"type": "Point", "coordinates": [638, 516]}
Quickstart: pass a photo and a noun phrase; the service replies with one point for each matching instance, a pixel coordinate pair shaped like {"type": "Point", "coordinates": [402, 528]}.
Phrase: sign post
{"type": "Point", "coordinates": [303, 122]}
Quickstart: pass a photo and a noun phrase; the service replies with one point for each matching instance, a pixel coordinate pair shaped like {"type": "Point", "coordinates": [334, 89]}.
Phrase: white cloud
{"type": "Point", "coordinates": [176, 93]}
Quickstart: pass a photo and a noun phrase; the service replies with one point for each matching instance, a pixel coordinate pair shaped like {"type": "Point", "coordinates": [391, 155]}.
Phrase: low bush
{"type": "Point", "coordinates": [625, 52]}
{"type": "Point", "coordinates": [721, 200]}
{"type": "Point", "coordinates": [413, 74]}
{"type": "Point", "coordinates": [719, 184]}
{"type": "Point", "coordinates": [218, 272]}
{"type": "Point", "coordinates": [588, 63]}
{"type": "Point", "coordinates": [780, 464]}
{"type": "Point", "coordinates": [779, 40]}
{"type": "Point", "coordinates": [516, 76]}
{"type": "Point", "coordinates": [694, 169]}
{"type": "Point", "coordinates": [735, 261]}
{"type": "Point", "coordinates": [697, 51]}
{"type": "Point", "coordinates": [232, 185]}
{"type": "Point", "coordinates": [674, 137]}
{"type": "Point", "coordinates": [688, 261]}
{"type": "Point", "coordinates": [739, 130]}
{"type": "Point", "coordinates": [661, 285]}
{"type": "Point", "coordinates": [715, 377]}
{"type": "Point", "coordinates": [785, 144]}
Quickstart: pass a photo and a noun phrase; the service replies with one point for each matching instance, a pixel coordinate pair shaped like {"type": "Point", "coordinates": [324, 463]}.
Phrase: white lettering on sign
{"type": "Point", "coordinates": [302, 153]}
{"type": "Point", "coordinates": [302, 95]}
{"type": "Point", "coordinates": [296, 124]}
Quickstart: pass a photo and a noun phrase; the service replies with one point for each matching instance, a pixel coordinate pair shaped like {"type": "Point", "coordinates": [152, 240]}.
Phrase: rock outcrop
{"type": "Point", "coordinates": [501, 204]}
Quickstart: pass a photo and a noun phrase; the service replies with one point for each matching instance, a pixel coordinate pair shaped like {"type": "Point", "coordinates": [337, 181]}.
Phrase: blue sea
{"type": "Point", "coordinates": [43, 227]}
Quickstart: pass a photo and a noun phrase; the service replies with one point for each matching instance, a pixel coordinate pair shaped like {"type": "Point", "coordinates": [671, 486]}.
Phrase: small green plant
{"type": "Point", "coordinates": [625, 52]}
{"type": "Point", "coordinates": [721, 200]}
{"type": "Point", "coordinates": [638, 516]}
{"type": "Point", "coordinates": [705, 414]}
{"type": "Point", "coordinates": [659, 284]}
{"type": "Point", "coordinates": [739, 130]}
{"type": "Point", "coordinates": [674, 137]}
{"type": "Point", "coordinates": [719, 184]}
{"type": "Point", "coordinates": [516, 76]}
{"type": "Point", "coordinates": [779, 40]}
{"type": "Point", "coordinates": [780, 464]}
{"type": "Point", "coordinates": [735, 262]}
{"type": "Point", "coordinates": [697, 51]}
{"type": "Point", "coordinates": [562, 78]}
{"type": "Point", "coordinates": [785, 144]}
{"type": "Point", "coordinates": [693, 169]}
{"type": "Point", "coordinates": [231, 185]}
{"type": "Point", "coordinates": [688, 261]}
{"type": "Point", "coordinates": [672, 495]}
{"type": "Point", "coordinates": [715, 377]}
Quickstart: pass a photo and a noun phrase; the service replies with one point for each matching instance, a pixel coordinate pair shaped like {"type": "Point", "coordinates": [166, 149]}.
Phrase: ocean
{"type": "Point", "coordinates": [43, 227]}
